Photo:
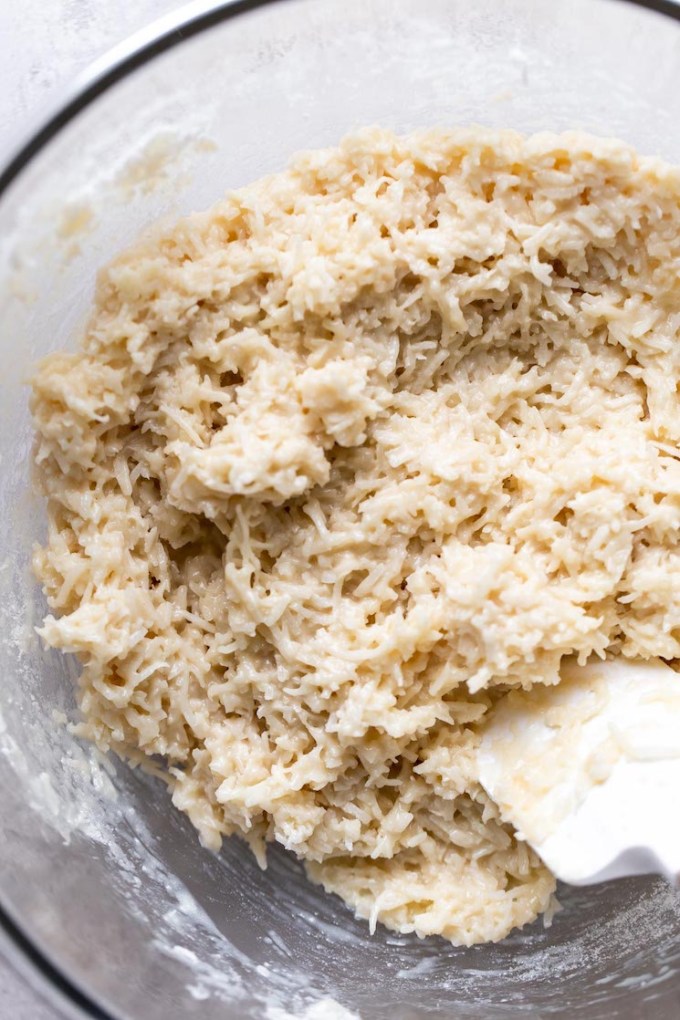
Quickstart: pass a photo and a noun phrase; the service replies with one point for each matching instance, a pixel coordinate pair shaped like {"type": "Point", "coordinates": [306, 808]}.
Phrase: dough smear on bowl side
{"type": "Point", "coordinates": [345, 457]}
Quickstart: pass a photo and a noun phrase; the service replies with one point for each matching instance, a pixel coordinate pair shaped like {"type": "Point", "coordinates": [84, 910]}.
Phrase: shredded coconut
{"type": "Point", "coordinates": [346, 456]}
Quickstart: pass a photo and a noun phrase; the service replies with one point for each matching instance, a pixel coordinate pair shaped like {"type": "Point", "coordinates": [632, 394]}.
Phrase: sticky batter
{"type": "Point", "coordinates": [346, 456]}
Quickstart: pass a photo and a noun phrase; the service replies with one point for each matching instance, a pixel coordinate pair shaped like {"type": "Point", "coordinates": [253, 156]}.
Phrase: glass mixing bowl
{"type": "Point", "coordinates": [103, 886]}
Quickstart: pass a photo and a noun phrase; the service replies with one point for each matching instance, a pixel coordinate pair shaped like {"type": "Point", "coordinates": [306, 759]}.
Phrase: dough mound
{"type": "Point", "coordinates": [342, 459]}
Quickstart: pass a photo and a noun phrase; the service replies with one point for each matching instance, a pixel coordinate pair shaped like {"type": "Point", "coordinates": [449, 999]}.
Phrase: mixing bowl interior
{"type": "Point", "coordinates": [105, 880]}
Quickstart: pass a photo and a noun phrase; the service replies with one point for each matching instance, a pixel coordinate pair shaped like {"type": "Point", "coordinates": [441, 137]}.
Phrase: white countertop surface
{"type": "Point", "coordinates": [45, 43]}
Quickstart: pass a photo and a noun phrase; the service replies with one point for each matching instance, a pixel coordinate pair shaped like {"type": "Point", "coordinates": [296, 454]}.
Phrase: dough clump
{"type": "Point", "coordinates": [345, 457]}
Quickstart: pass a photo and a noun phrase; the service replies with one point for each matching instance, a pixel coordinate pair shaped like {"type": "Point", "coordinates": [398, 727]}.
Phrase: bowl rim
{"type": "Point", "coordinates": [159, 36]}
{"type": "Point", "coordinates": [133, 52]}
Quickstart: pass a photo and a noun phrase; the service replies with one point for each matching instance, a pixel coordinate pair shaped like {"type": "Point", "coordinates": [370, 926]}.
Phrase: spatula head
{"type": "Point", "coordinates": [588, 771]}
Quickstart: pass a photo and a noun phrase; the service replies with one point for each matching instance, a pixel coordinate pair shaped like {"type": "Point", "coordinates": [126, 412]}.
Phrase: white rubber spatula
{"type": "Point", "coordinates": [588, 772]}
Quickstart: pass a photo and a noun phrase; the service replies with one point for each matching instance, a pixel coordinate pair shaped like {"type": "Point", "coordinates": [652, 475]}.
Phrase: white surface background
{"type": "Point", "coordinates": [44, 44]}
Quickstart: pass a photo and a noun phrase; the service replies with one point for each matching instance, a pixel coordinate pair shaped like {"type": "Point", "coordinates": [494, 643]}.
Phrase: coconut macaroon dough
{"type": "Point", "coordinates": [342, 459]}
